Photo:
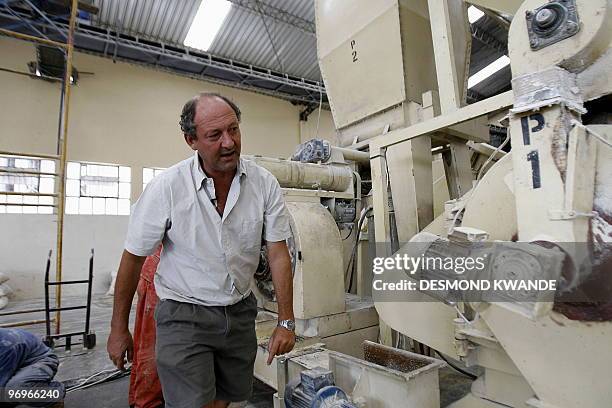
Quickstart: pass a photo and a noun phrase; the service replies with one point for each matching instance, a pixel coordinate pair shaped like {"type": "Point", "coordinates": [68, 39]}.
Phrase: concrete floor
{"type": "Point", "coordinates": [80, 363]}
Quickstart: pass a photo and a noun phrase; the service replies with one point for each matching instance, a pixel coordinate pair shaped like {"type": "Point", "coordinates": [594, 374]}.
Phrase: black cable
{"type": "Point", "coordinates": [349, 234]}
{"type": "Point", "coordinates": [351, 263]}
{"type": "Point", "coordinates": [458, 369]}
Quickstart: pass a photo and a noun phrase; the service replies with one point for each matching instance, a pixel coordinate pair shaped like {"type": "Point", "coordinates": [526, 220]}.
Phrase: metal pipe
{"type": "Point", "coordinates": [53, 309]}
{"type": "Point", "coordinates": [89, 285]}
{"type": "Point", "coordinates": [65, 109]}
{"type": "Point", "coordinates": [354, 155]}
{"type": "Point", "coordinates": [72, 282]}
{"type": "Point", "coordinates": [486, 149]}
{"type": "Point", "coordinates": [47, 307]}
{"type": "Point", "coordinates": [23, 323]}
{"type": "Point", "coordinates": [16, 312]}
{"type": "Point", "coordinates": [31, 38]}
{"type": "Point", "coordinates": [37, 156]}
{"type": "Point", "coordinates": [59, 335]}
{"type": "Point", "coordinates": [293, 174]}
{"type": "Point", "coordinates": [47, 19]}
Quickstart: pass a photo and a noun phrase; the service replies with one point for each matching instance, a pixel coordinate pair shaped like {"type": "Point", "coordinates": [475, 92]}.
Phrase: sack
{"type": "Point", "coordinates": [5, 290]}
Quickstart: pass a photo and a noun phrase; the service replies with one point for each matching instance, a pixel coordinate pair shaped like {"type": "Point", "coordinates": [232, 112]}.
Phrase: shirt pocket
{"type": "Point", "coordinates": [250, 235]}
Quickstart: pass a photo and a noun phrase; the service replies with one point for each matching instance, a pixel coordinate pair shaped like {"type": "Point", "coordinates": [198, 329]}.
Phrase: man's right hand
{"type": "Point", "coordinates": [118, 345]}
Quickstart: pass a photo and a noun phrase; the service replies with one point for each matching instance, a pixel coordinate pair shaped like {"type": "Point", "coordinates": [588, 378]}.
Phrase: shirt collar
{"type": "Point", "coordinates": [199, 176]}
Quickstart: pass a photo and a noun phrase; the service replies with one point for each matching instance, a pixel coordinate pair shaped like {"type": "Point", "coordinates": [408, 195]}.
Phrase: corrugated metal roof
{"type": "Point", "coordinates": [251, 37]}
{"type": "Point", "coordinates": [243, 36]}
{"type": "Point", "coordinates": [161, 20]}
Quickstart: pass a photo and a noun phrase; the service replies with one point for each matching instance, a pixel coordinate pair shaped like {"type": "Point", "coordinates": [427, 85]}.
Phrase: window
{"type": "Point", "coordinates": [148, 174]}
{"type": "Point", "coordinates": [97, 189]}
{"type": "Point", "coordinates": [27, 184]}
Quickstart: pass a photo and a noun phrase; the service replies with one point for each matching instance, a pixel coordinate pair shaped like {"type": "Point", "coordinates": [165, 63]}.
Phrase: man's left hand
{"type": "Point", "coordinates": [281, 342]}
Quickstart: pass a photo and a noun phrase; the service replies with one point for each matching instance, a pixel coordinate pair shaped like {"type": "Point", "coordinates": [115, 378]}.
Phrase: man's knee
{"type": "Point", "coordinates": [41, 371]}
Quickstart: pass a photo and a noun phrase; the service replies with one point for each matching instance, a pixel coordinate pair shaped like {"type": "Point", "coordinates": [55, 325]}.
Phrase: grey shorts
{"type": "Point", "coordinates": [205, 353]}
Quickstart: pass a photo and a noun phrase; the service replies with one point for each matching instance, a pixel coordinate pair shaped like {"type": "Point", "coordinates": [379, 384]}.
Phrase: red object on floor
{"type": "Point", "coordinates": [145, 388]}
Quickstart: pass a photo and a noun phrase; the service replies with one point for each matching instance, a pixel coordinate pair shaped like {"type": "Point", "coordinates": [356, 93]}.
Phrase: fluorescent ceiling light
{"type": "Point", "coordinates": [489, 70]}
{"type": "Point", "coordinates": [206, 24]}
{"type": "Point", "coordinates": [474, 14]}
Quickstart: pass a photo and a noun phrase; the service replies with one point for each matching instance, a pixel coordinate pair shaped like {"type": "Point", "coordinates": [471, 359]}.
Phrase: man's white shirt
{"type": "Point", "coordinates": [207, 259]}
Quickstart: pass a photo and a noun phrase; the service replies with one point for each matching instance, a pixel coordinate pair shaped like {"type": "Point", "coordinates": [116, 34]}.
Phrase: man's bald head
{"type": "Point", "coordinates": [188, 113]}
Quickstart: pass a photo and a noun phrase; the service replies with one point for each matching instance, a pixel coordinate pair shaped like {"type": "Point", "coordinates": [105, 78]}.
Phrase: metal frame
{"type": "Point", "coordinates": [68, 48]}
{"type": "Point", "coordinates": [160, 56]}
{"type": "Point", "coordinates": [488, 40]}
{"type": "Point", "coordinates": [277, 14]}
{"type": "Point", "coordinates": [89, 339]}
{"type": "Point", "coordinates": [550, 206]}
{"type": "Point", "coordinates": [265, 24]}
{"type": "Point", "coordinates": [440, 123]}
{"type": "Point", "coordinates": [452, 66]}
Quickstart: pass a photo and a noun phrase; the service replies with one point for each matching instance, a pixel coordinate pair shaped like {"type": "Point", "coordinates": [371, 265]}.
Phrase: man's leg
{"type": "Point", "coordinates": [39, 374]}
{"type": "Point", "coordinates": [41, 371]}
{"type": "Point", "coordinates": [205, 355]}
{"type": "Point", "coordinates": [186, 337]}
{"type": "Point", "coordinates": [235, 357]}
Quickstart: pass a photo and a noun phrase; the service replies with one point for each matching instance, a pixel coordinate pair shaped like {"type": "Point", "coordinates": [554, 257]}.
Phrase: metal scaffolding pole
{"type": "Point", "coordinates": [68, 48]}
{"type": "Point", "coordinates": [31, 38]}
{"type": "Point", "coordinates": [63, 143]}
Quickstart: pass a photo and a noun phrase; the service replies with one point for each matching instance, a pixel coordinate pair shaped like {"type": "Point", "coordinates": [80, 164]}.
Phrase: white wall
{"type": "Point", "coordinates": [122, 114]}
{"type": "Point", "coordinates": [27, 239]}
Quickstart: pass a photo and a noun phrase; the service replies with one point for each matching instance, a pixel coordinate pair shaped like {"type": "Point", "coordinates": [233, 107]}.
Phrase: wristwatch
{"type": "Point", "coordinates": [287, 324]}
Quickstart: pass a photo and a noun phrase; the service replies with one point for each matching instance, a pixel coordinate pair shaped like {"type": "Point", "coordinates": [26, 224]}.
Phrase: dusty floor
{"type": "Point", "coordinates": [79, 363]}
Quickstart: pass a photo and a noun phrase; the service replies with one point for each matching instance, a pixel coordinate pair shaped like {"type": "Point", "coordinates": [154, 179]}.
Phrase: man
{"type": "Point", "coordinates": [27, 363]}
{"type": "Point", "coordinates": [210, 212]}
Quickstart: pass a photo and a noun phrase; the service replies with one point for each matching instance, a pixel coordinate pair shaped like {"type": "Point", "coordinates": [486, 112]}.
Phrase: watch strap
{"type": "Point", "coordinates": [287, 324]}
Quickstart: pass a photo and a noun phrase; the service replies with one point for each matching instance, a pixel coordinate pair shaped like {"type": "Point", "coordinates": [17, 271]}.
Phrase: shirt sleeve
{"type": "Point", "coordinates": [276, 217]}
{"type": "Point", "coordinates": [149, 219]}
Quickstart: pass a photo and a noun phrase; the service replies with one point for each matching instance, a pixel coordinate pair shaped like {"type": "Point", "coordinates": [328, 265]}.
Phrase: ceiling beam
{"type": "Point", "coordinates": [489, 40]}
{"type": "Point", "coordinates": [277, 14]}
{"type": "Point", "coordinates": [263, 20]}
